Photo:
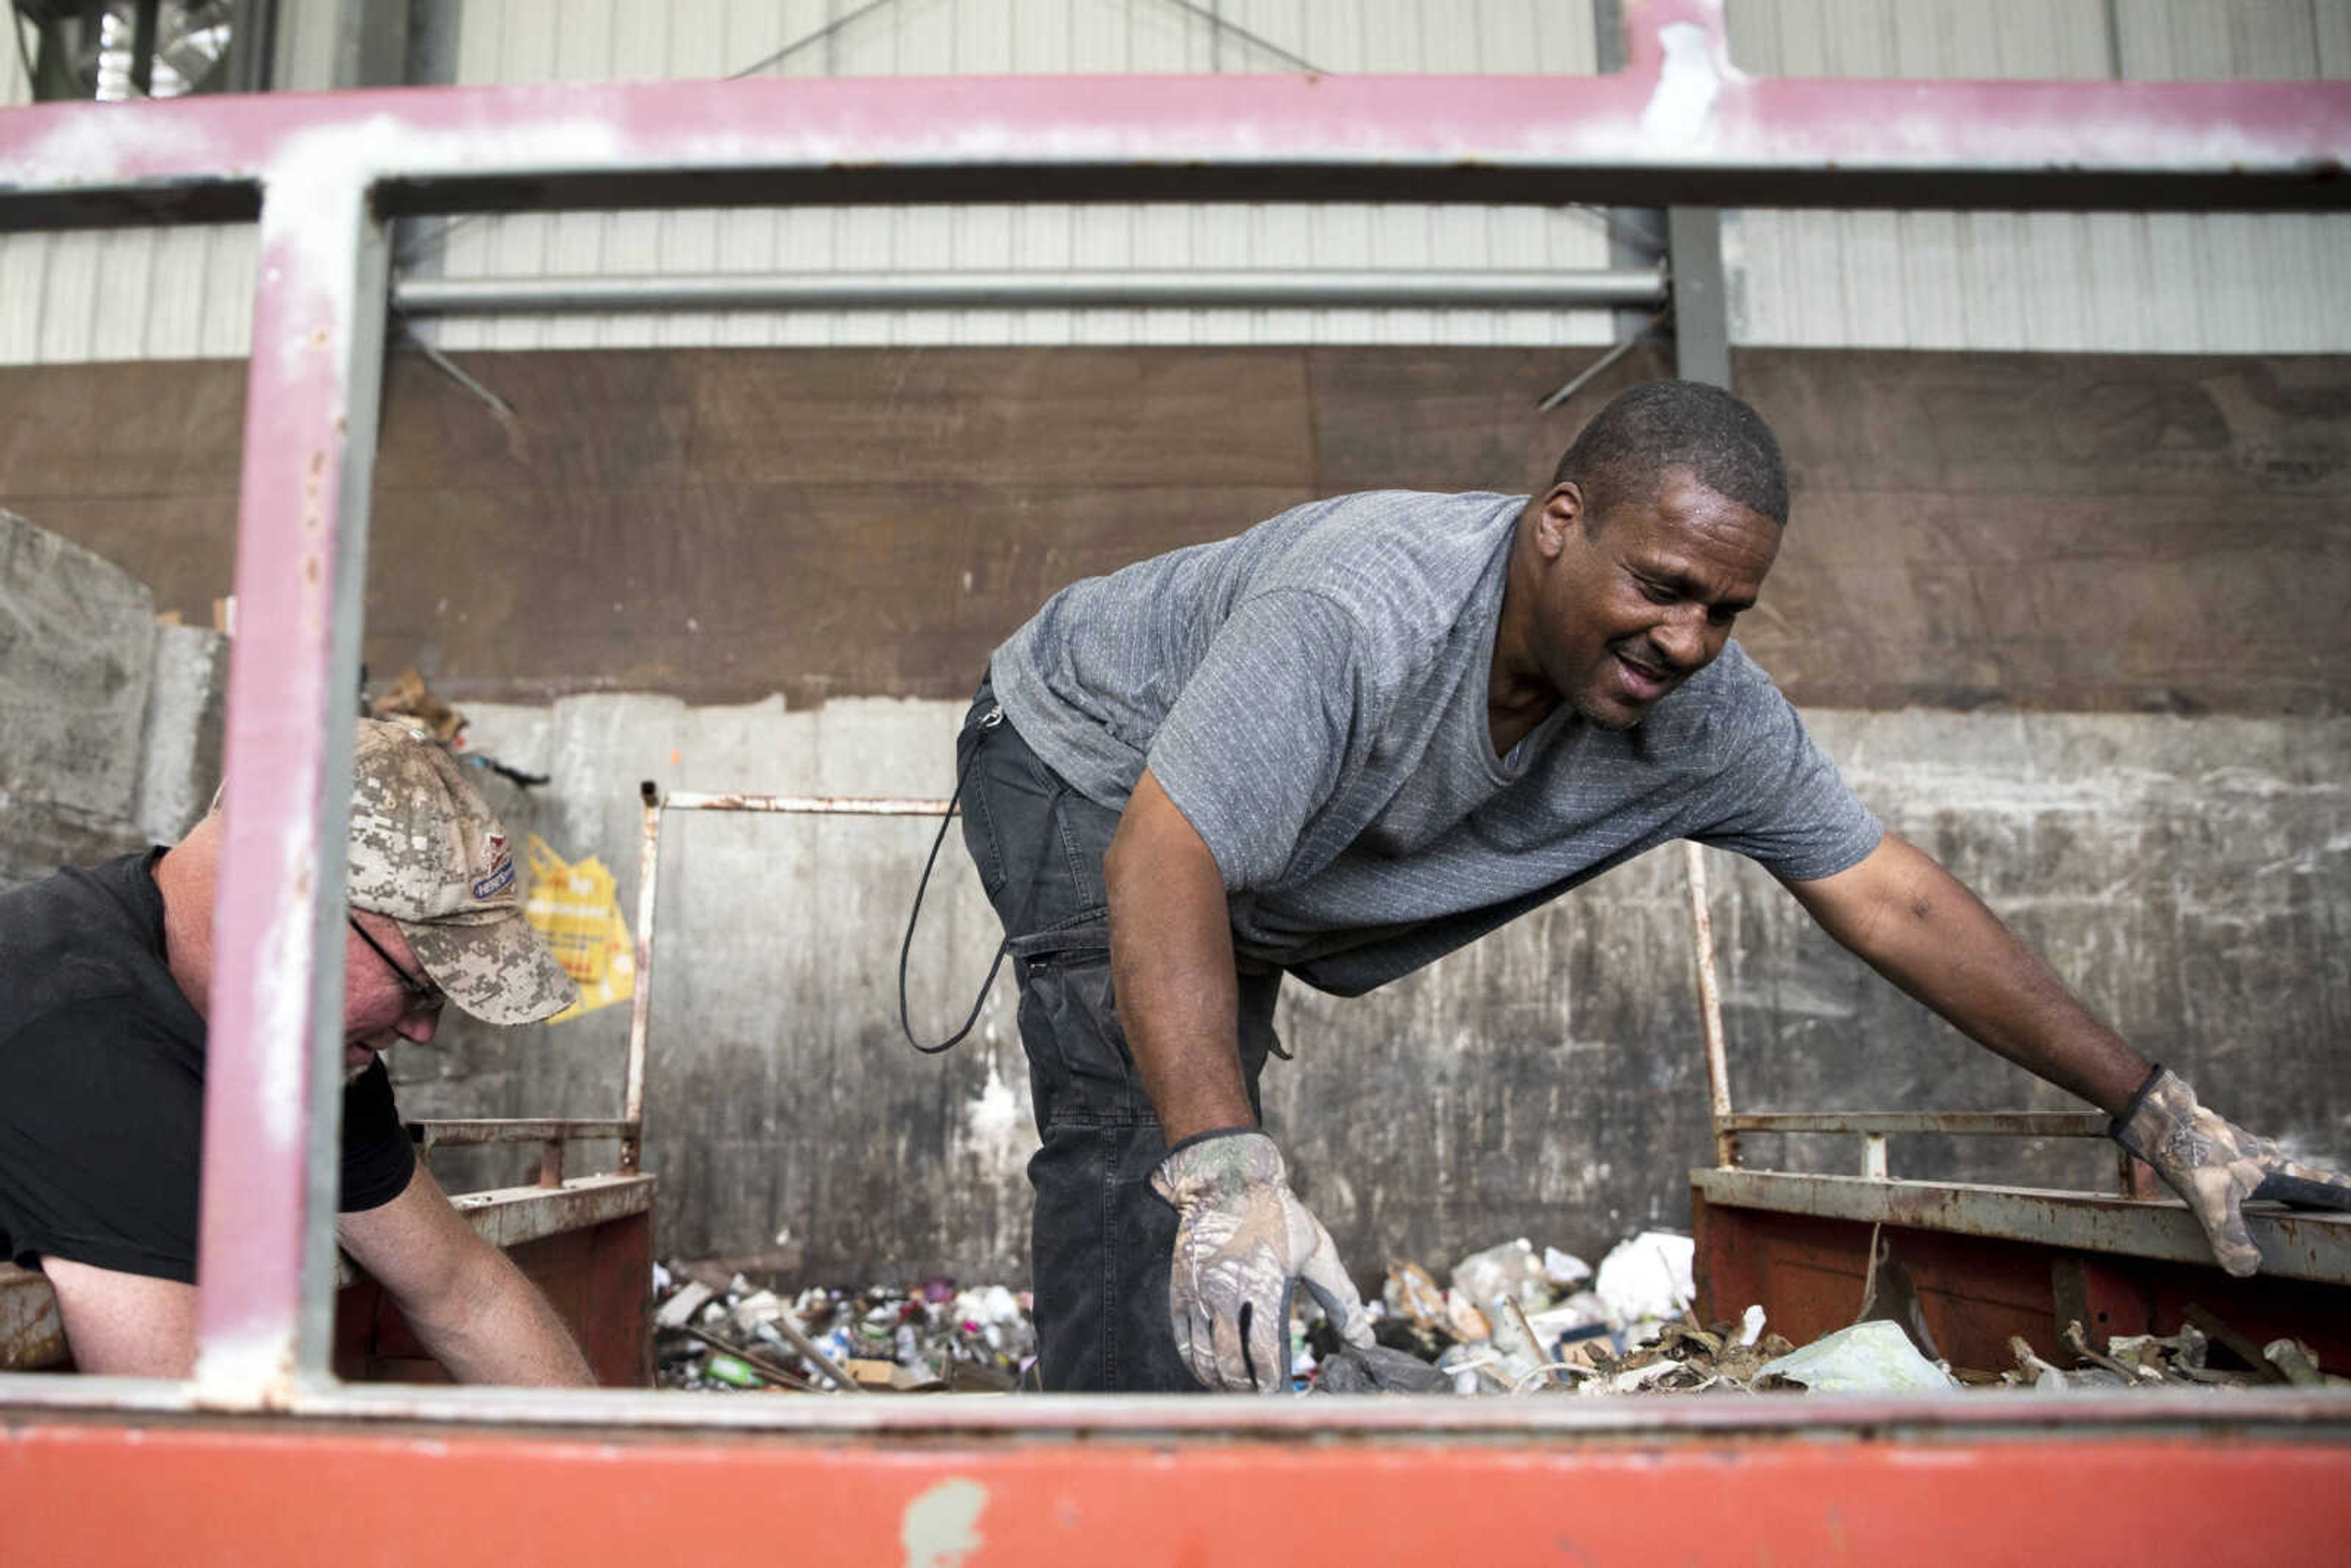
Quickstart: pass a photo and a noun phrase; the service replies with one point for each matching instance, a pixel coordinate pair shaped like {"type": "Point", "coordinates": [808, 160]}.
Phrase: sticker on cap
{"type": "Point", "coordinates": [499, 878]}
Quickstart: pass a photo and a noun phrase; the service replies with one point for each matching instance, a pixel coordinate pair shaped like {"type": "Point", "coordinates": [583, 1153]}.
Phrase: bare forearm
{"type": "Point", "coordinates": [497, 1328]}
{"type": "Point", "coordinates": [1171, 948]}
{"type": "Point", "coordinates": [1922, 929]}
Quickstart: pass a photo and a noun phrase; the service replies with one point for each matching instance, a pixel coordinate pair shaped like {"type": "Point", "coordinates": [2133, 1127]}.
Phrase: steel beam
{"type": "Point", "coordinates": [1558, 289]}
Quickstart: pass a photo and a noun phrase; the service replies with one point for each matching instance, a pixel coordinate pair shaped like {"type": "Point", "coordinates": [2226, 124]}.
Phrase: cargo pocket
{"type": "Point", "coordinates": [1081, 1072]}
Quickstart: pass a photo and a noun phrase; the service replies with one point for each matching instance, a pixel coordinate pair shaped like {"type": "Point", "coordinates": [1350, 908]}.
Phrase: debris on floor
{"type": "Point", "coordinates": [1511, 1320]}
{"type": "Point", "coordinates": [718, 1332]}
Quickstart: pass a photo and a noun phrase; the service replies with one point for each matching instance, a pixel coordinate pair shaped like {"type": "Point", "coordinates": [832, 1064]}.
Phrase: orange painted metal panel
{"type": "Point", "coordinates": [256, 1494]}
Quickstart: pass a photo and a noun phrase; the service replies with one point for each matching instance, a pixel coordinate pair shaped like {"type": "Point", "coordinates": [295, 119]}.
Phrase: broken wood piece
{"type": "Point", "coordinates": [2129, 1372]}
{"type": "Point", "coordinates": [815, 1353]}
{"type": "Point", "coordinates": [2237, 1345]}
{"type": "Point", "coordinates": [756, 1362]}
{"type": "Point", "coordinates": [871, 1373]}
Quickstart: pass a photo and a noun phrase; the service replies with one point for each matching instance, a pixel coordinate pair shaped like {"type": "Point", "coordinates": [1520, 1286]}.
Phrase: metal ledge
{"type": "Point", "coordinates": [1977, 1123]}
{"type": "Point", "coordinates": [448, 1133]}
{"type": "Point", "coordinates": [2295, 1245]}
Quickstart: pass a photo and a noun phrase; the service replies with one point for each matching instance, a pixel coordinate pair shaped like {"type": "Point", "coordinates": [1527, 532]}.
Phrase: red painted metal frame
{"type": "Point", "coordinates": [322, 173]}
{"type": "Point", "coordinates": [1680, 125]}
{"type": "Point", "coordinates": [194, 1493]}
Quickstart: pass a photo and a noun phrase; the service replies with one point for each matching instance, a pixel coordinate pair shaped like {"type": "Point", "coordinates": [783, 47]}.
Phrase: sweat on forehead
{"type": "Point", "coordinates": [1626, 452]}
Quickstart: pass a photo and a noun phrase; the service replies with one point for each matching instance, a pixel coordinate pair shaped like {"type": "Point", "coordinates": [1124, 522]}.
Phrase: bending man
{"type": "Point", "coordinates": [1362, 734]}
{"type": "Point", "coordinates": [105, 975]}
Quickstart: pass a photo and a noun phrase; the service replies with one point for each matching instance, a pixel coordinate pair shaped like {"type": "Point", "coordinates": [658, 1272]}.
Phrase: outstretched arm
{"type": "Point", "coordinates": [470, 1306]}
{"type": "Point", "coordinates": [1920, 928]}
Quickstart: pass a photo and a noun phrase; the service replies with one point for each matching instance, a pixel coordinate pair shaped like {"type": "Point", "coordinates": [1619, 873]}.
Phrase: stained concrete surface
{"type": "Point", "coordinates": [109, 724]}
{"type": "Point", "coordinates": [2191, 877]}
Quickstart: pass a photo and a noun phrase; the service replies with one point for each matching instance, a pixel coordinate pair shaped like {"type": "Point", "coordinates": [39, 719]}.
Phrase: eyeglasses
{"type": "Point", "coordinates": [423, 996]}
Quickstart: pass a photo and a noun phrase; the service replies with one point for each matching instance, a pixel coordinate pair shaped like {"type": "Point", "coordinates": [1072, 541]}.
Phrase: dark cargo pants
{"type": "Point", "coordinates": [1102, 1239]}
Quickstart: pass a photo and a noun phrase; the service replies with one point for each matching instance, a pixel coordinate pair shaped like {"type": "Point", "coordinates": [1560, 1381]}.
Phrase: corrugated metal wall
{"type": "Point", "coordinates": [1922, 280]}
{"type": "Point", "coordinates": [2161, 283]}
{"type": "Point", "coordinates": [545, 40]}
{"type": "Point", "coordinates": [146, 293]}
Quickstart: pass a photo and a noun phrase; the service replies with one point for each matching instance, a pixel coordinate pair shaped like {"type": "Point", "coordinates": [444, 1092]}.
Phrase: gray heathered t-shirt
{"type": "Point", "coordinates": [1311, 695]}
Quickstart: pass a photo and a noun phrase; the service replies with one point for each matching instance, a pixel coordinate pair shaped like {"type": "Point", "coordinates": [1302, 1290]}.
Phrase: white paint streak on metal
{"type": "Point", "coordinates": [1679, 116]}
{"type": "Point", "coordinates": [2109, 282]}
{"type": "Point", "coordinates": [940, 1529]}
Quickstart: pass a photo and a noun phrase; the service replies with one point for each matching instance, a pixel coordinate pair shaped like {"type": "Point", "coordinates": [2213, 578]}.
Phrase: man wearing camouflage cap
{"type": "Point", "coordinates": [105, 974]}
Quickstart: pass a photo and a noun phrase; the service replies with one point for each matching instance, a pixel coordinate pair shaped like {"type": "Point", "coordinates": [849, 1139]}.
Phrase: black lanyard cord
{"type": "Point", "coordinates": [993, 717]}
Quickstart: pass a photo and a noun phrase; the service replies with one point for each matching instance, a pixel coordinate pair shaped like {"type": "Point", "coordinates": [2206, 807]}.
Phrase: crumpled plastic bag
{"type": "Point", "coordinates": [1379, 1370]}
{"type": "Point", "coordinates": [1650, 1278]}
{"type": "Point", "coordinates": [1872, 1357]}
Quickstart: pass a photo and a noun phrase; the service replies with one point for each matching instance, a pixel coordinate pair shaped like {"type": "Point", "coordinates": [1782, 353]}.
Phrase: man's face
{"type": "Point", "coordinates": [379, 1011]}
{"type": "Point", "coordinates": [1634, 603]}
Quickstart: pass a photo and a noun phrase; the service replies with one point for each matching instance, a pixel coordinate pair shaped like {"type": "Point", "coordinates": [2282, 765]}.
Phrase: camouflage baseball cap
{"type": "Point", "coordinates": [427, 852]}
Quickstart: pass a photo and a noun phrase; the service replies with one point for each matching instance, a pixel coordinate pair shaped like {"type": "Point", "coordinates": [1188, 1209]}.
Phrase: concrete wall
{"type": "Point", "coordinates": [2191, 877]}
{"type": "Point", "coordinates": [109, 724]}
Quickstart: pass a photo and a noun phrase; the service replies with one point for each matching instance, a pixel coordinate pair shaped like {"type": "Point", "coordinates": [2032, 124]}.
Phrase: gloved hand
{"type": "Point", "coordinates": [1242, 1239]}
{"type": "Point", "coordinates": [2217, 1165]}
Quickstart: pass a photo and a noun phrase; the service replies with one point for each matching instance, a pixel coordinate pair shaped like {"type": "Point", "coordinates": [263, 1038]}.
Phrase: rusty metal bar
{"type": "Point", "coordinates": [1878, 1124]}
{"type": "Point", "coordinates": [1709, 1010]}
{"type": "Point", "coordinates": [441, 1133]}
{"type": "Point", "coordinates": [274, 1076]}
{"type": "Point", "coordinates": [550, 1163]}
{"type": "Point", "coordinates": [640, 1000]}
{"type": "Point", "coordinates": [810, 805]}
{"type": "Point", "coordinates": [1874, 1163]}
{"type": "Point", "coordinates": [2295, 1245]}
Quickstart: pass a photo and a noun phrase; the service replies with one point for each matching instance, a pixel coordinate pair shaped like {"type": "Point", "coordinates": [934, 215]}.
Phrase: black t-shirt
{"type": "Point", "coordinates": [102, 1082]}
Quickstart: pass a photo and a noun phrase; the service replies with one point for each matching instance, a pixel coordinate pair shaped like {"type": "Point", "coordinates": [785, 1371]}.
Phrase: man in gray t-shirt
{"type": "Point", "coordinates": [1371, 729]}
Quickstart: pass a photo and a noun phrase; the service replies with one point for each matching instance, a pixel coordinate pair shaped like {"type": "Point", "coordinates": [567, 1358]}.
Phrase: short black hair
{"type": "Point", "coordinates": [1626, 451]}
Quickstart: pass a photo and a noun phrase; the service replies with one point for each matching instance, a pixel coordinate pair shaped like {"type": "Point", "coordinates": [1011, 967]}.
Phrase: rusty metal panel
{"type": "Point", "coordinates": [1975, 1291]}
{"type": "Point", "coordinates": [597, 1277]}
{"type": "Point", "coordinates": [2295, 1245]}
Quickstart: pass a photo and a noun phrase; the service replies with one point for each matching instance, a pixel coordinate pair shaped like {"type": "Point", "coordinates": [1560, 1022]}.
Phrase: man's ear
{"type": "Point", "coordinates": [1561, 513]}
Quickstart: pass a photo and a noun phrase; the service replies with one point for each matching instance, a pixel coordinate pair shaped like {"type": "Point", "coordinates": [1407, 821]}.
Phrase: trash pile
{"type": "Point", "coordinates": [1510, 1321]}
{"type": "Point", "coordinates": [717, 1331]}
{"type": "Point", "coordinates": [1513, 1319]}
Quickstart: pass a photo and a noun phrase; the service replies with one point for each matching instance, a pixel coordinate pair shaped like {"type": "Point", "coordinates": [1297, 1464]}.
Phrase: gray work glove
{"type": "Point", "coordinates": [1242, 1240]}
{"type": "Point", "coordinates": [2217, 1166]}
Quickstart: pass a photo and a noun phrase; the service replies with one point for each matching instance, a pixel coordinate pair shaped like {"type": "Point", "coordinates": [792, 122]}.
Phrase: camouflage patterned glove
{"type": "Point", "coordinates": [1242, 1240]}
{"type": "Point", "coordinates": [2217, 1166]}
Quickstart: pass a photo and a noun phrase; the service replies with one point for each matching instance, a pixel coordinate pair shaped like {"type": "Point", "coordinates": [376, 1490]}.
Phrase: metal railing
{"type": "Point", "coordinates": [323, 175]}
